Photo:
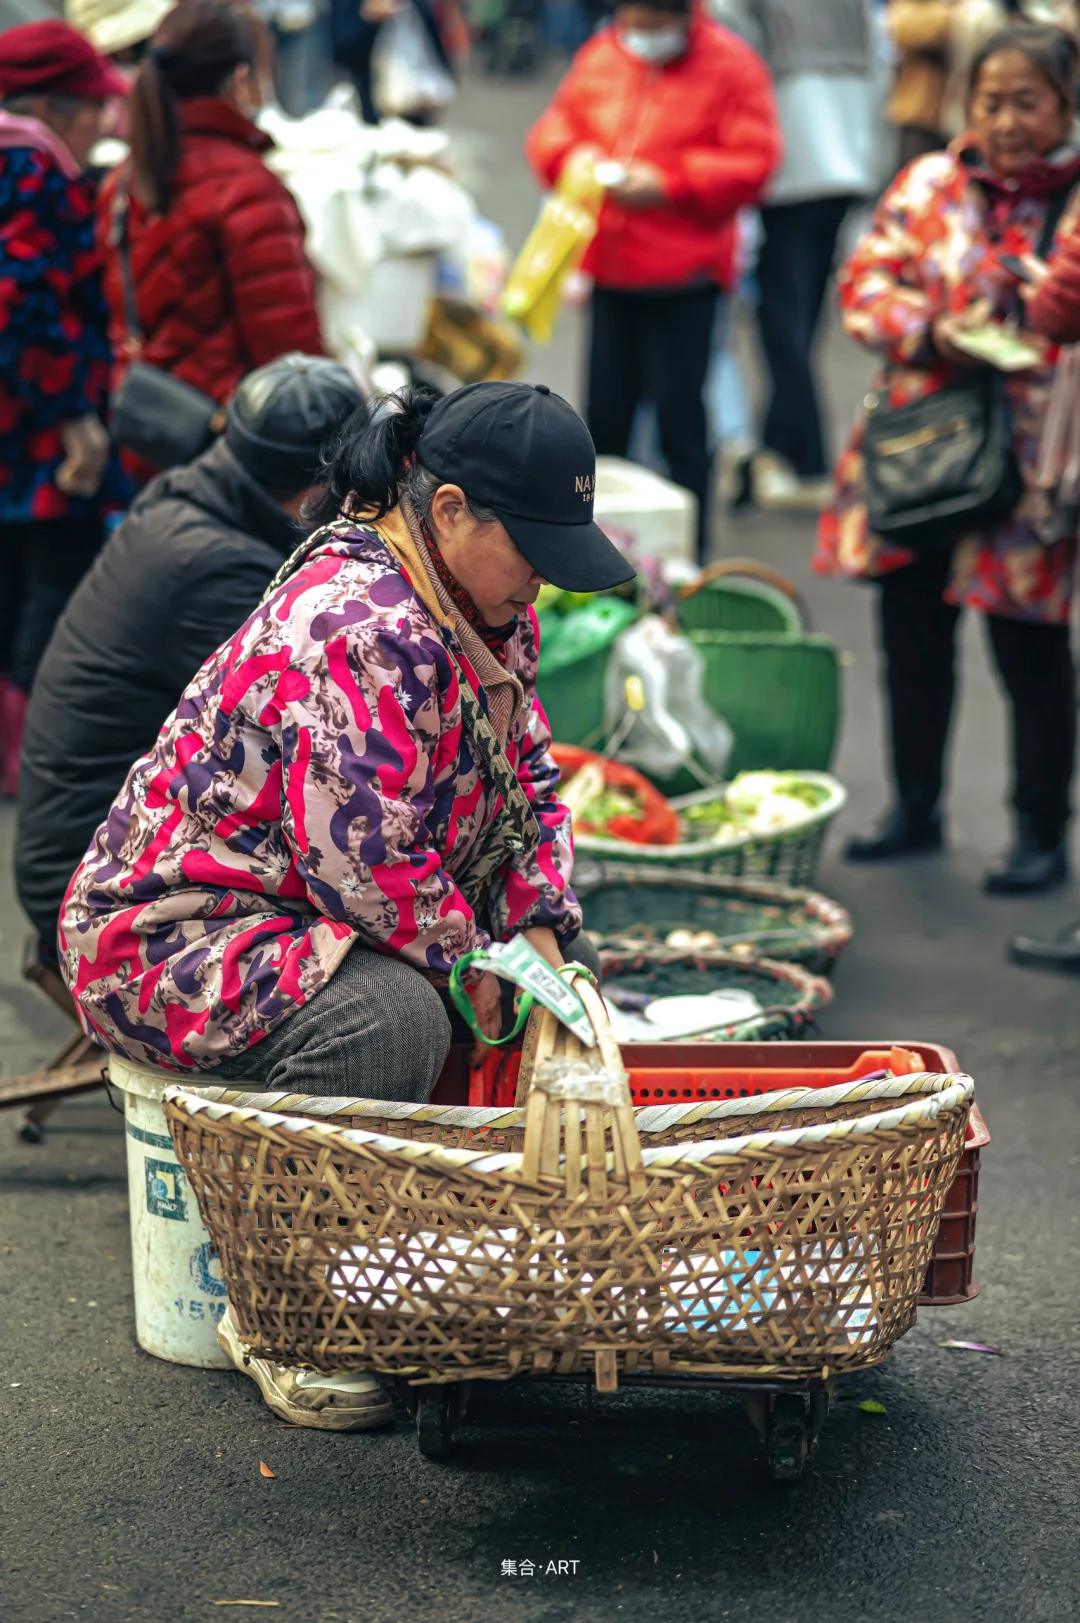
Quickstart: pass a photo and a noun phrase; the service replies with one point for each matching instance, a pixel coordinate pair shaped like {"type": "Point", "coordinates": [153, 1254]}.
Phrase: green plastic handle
{"type": "Point", "coordinates": [468, 1013]}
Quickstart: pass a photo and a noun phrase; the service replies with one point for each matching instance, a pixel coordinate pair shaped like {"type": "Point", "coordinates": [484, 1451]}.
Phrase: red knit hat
{"type": "Point", "coordinates": [49, 58]}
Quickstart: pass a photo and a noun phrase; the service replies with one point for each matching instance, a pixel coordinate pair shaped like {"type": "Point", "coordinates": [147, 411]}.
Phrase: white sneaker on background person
{"type": "Point", "coordinates": [346, 1400]}
{"type": "Point", "coordinates": [777, 486]}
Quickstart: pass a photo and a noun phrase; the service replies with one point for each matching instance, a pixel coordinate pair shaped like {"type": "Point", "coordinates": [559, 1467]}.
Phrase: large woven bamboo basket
{"type": "Point", "coordinates": [752, 916]}
{"type": "Point", "coordinates": [781, 1236]}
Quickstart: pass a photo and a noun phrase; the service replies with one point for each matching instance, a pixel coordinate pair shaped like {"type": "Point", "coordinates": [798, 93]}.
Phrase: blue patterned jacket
{"type": "Point", "coordinates": [55, 359]}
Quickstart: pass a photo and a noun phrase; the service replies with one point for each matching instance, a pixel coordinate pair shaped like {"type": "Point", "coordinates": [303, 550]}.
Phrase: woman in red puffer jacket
{"type": "Point", "coordinates": [222, 283]}
{"type": "Point", "coordinates": [684, 111]}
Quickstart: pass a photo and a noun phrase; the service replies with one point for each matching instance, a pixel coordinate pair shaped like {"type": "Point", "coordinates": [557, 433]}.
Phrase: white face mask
{"type": "Point", "coordinates": [655, 45]}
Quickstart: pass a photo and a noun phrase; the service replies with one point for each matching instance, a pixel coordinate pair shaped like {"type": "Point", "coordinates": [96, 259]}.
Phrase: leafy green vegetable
{"type": "Point", "coordinates": [811, 794]}
{"type": "Point", "coordinates": [609, 803]}
{"type": "Point", "coordinates": [706, 817]}
{"type": "Point", "coordinates": [755, 802]}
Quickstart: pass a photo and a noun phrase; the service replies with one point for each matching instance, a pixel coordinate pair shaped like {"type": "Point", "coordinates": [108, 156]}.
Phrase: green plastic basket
{"type": "Point", "coordinates": [780, 695]}
{"type": "Point", "coordinates": [791, 856]}
{"type": "Point", "coordinates": [646, 904]}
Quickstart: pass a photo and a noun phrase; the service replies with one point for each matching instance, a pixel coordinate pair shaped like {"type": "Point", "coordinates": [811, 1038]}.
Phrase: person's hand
{"type": "Point", "coordinates": [947, 327]}
{"type": "Point", "coordinates": [379, 11]}
{"type": "Point", "coordinates": [486, 999]}
{"type": "Point", "coordinates": [643, 187]}
{"type": "Point", "coordinates": [1038, 272]}
{"type": "Point", "coordinates": [546, 943]}
{"type": "Point", "coordinates": [86, 446]}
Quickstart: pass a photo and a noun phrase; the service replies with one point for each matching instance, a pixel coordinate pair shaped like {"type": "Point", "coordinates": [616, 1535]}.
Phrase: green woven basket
{"type": "Point", "coordinates": [780, 695]}
{"type": "Point", "coordinates": [790, 857]}
{"type": "Point", "coordinates": [745, 915]}
{"type": "Point", "coordinates": [739, 594]}
{"type": "Point", "coordinates": [789, 996]}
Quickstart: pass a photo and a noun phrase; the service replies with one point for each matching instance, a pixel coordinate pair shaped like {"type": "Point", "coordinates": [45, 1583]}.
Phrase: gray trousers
{"type": "Point", "coordinates": [378, 1029]}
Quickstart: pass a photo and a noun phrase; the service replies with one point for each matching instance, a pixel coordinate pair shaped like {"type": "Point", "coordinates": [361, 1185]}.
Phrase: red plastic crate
{"type": "Point", "coordinates": [680, 1072]}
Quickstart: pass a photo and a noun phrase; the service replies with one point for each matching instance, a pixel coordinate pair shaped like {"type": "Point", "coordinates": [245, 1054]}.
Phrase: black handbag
{"type": "Point", "coordinates": [938, 466]}
{"type": "Point", "coordinates": [159, 417]}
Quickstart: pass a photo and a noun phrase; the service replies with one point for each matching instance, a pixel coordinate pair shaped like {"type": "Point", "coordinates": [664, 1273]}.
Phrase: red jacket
{"type": "Point", "coordinates": [708, 123]}
{"type": "Point", "coordinates": [222, 283]}
{"type": "Point", "coordinates": [1055, 309]}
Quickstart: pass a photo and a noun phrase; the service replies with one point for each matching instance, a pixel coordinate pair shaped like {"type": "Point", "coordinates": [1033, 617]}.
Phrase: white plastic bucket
{"type": "Point", "coordinates": [179, 1292]}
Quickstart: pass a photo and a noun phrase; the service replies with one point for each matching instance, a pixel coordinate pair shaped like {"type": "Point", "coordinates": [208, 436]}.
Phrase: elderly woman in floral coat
{"type": "Point", "coordinates": [357, 789]}
{"type": "Point", "coordinates": [931, 264]}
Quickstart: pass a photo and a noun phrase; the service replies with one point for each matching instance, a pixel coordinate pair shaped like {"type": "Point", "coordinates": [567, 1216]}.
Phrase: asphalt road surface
{"type": "Point", "coordinates": [131, 1488]}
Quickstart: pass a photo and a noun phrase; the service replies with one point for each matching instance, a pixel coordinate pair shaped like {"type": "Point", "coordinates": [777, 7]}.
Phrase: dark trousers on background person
{"type": "Point", "coordinates": [40, 566]}
{"type": "Point", "coordinates": [1034, 662]}
{"type": "Point", "coordinates": [655, 346]}
{"type": "Point", "coordinates": [793, 270]}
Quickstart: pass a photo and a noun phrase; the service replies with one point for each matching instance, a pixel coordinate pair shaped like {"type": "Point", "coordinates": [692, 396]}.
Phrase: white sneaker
{"type": "Point", "coordinates": [344, 1401]}
{"type": "Point", "coordinates": [778, 487]}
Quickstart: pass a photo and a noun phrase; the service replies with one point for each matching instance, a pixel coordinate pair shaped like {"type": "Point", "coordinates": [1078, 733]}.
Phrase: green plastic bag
{"type": "Point", "coordinates": [574, 654]}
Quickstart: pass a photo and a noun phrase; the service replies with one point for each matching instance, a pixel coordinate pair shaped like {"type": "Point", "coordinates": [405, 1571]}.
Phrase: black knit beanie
{"type": "Point", "coordinates": [283, 415]}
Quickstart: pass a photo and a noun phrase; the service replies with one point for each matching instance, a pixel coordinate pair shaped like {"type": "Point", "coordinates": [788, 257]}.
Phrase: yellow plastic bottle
{"type": "Point", "coordinates": [555, 246]}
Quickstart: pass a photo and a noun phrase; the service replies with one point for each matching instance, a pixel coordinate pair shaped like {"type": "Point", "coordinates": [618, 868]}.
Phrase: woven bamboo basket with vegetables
{"type": "Point", "coordinates": [789, 854]}
{"type": "Point", "coordinates": [781, 1236]}
{"type": "Point", "coordinates": [710, 912]}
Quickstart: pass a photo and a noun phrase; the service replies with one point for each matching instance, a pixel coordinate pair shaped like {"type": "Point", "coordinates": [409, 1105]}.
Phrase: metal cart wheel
{"type": "Point", "coordinates": [787, 1437]}
{"type": "Point", "coordinates": [792, 1426]}
{"type": "Point", "coordinates": [438, 1410]}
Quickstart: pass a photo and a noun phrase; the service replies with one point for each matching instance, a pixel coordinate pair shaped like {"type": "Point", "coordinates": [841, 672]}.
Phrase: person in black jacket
{"type": "Point", "coordinates": [180, 575]}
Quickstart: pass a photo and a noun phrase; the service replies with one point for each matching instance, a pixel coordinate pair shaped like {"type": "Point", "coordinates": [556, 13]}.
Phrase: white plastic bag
{"type": "Point", "coordinates": [675, 725]}
{"type": "Point", "coordinates": [408, 76]}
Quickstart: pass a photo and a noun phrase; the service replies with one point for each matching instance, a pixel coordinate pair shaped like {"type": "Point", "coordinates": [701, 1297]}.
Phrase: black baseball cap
{"type": "Point", "coordinates": [526, 454]}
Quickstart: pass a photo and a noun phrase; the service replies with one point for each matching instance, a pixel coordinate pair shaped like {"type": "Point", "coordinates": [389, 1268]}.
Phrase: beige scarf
{"type": "Point", "coordinates": [400, 530]}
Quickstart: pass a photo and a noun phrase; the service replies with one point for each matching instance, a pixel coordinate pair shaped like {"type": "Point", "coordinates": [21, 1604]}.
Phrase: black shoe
{"type": "Point", "coordinates": [741, 495]}
{"type": "Point", "coordinates": [902, 834]}
{"type": "Point", "coordinates": [1060, 951]}
{"type": "Point", "coordinates": [1033, 864]}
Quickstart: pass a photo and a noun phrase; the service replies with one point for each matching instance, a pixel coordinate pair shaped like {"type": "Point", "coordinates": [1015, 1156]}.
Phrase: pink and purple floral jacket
{"type": "Point", "coordinates": [313, 787]}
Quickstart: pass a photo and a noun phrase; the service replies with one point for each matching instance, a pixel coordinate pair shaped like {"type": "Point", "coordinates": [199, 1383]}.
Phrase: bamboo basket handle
{"type": "Point", "coordinates": [626, 1144]}
{"type": "Point", "coordinates": [541, 1033]}
{"type": "Point", "coordinates": [548, 1116]}
{"type": "Point", "coordinates": [750, 569]}
{"type": "Point", "coordinates": [545, 1037]}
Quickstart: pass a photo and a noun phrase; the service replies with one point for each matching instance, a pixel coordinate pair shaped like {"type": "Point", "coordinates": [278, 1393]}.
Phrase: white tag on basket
{"type": "Point", "coordinates": [520, 962]}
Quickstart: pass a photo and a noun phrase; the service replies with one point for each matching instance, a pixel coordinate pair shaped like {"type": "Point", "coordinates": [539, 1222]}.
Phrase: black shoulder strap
{"type": "Point", "coordinates": [121, 240]}
{"type": "Point", "coordinates": [1059, 202]}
